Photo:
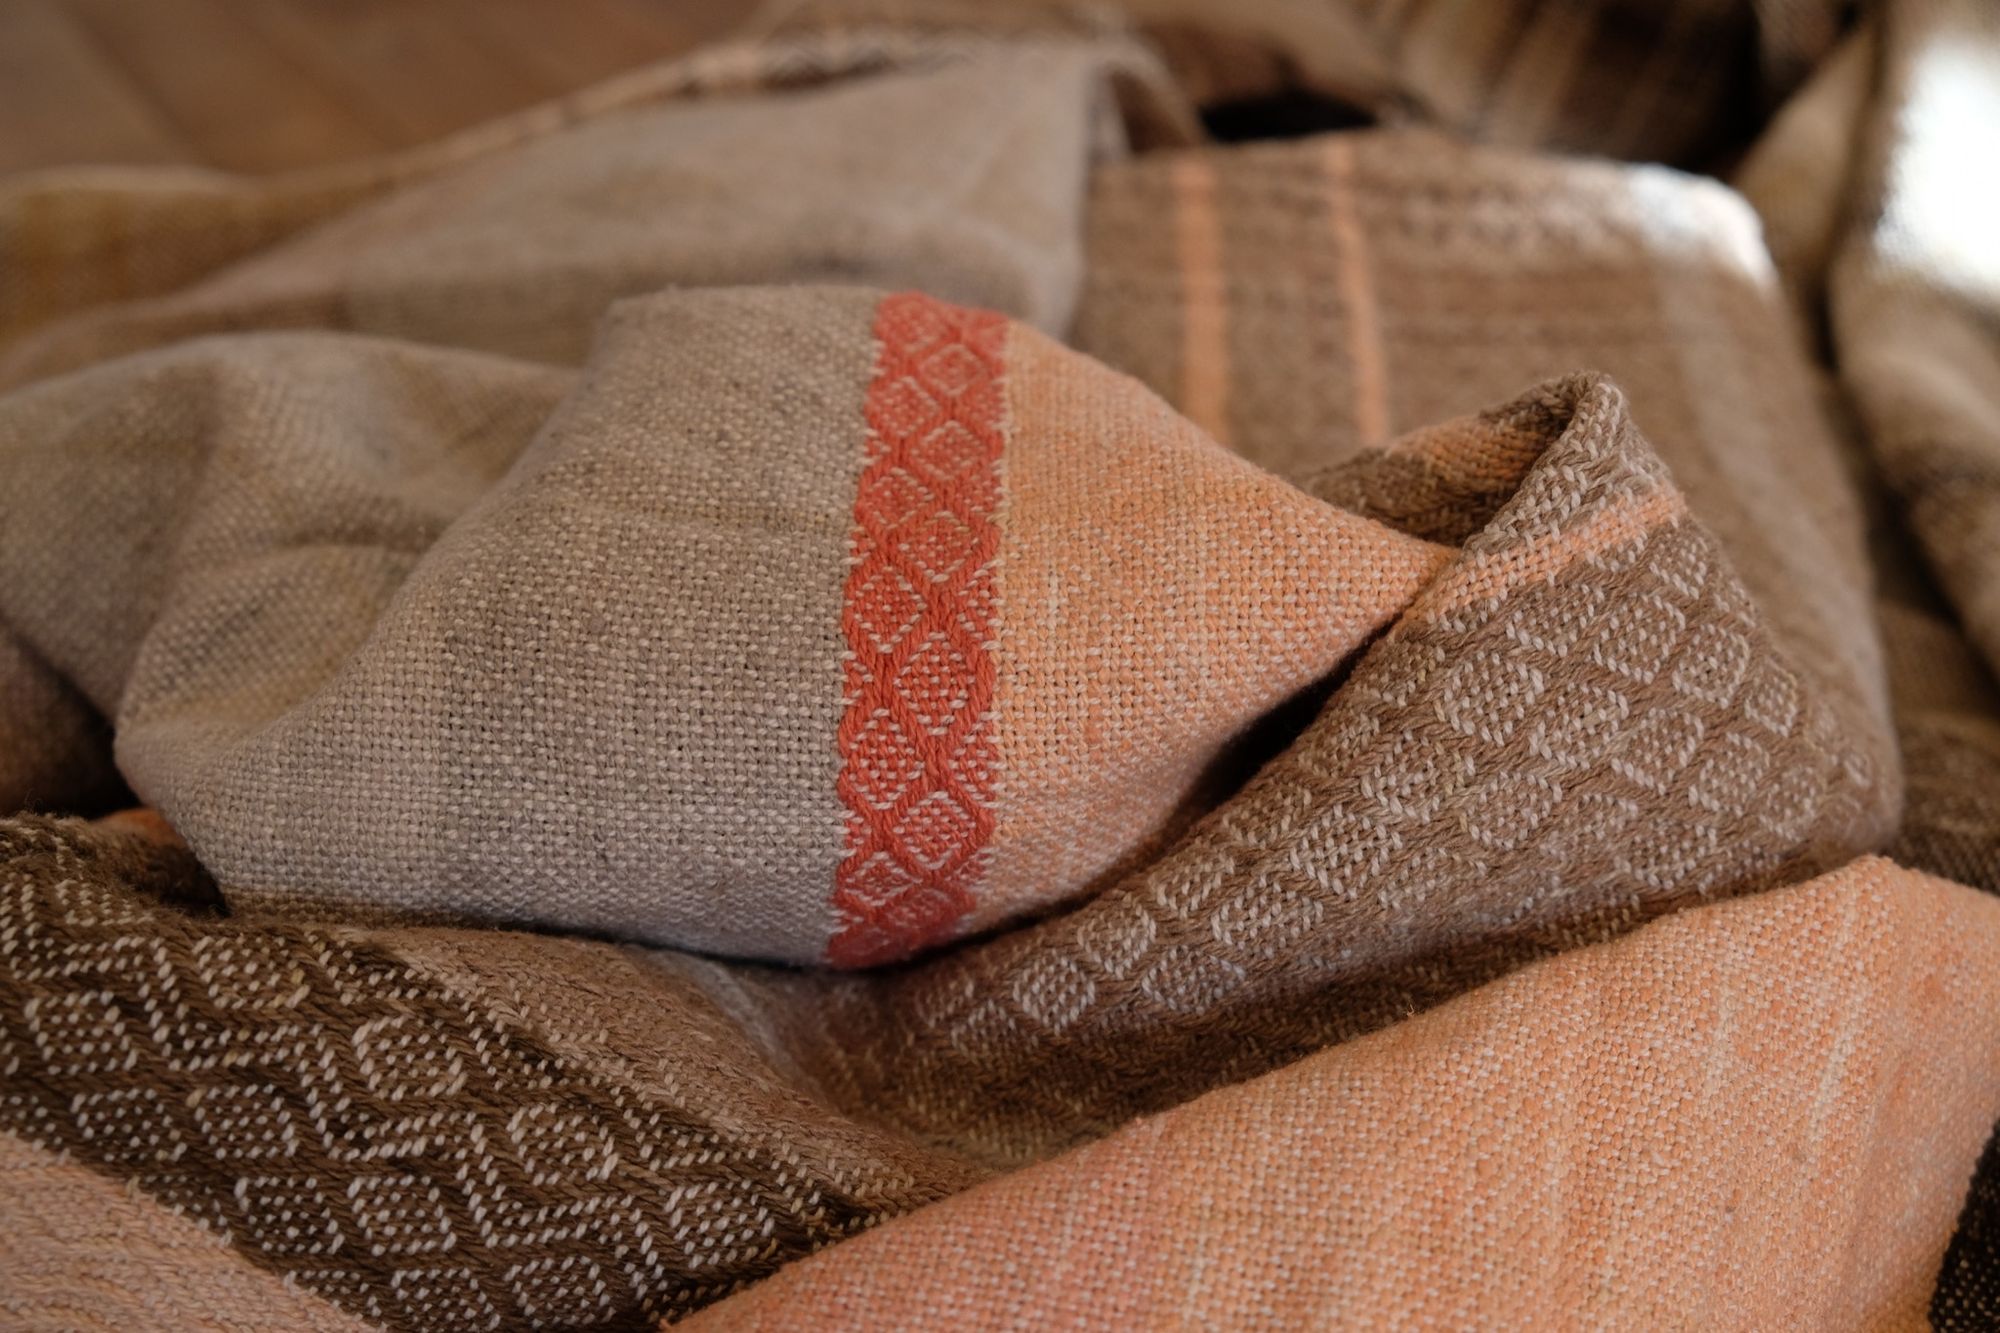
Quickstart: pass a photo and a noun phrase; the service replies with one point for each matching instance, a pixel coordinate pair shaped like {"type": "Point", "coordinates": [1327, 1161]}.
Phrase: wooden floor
{"type": "Point", "coordinates": [264, 85]}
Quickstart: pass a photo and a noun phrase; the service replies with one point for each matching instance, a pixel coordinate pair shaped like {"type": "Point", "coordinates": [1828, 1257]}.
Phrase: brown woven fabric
{"type": "Point", "coordinates": [1312, 298]}
{"type": "Point", "coordinates": [1581, 716]}
{"type": "Point", "coordinates": [1901, 337]}
{"type": "Point", "coordinates": [1683, 82]}
{"type": "Point", "coordinates": [519, 253]}
{"type": "Point", "coordinates": [1290, 717]}
{"type": "Point", "coordinates": [411, 1152]}
{"type": "Point", "coordinates": [1913, 298]}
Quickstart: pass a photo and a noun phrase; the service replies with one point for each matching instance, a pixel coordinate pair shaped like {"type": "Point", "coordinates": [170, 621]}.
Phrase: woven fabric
{"type": "Point", "coordinates": [1681, 82]}
{"type": "Point", "coordinates": [1579, 701]}
{"type": "Point", "coordinates": [357, 1120]}
{"type": "Point", "coordinates": [1914, 292]}
{"type": "Point", "coordinates": [1968, 1286]}
{"type": "Point", "coordinates": [1309, 299]}
{"type": "Point", "coordinates": [1821, 1192]}
{"type": "Point", "coordinates": [84, 1254]}
{"type": "Point", "coordinates": [519, 253]}
{"type": "Point", "coordinates": [863, 633]}
{"type": "Point", "coordinates": [838, 706]}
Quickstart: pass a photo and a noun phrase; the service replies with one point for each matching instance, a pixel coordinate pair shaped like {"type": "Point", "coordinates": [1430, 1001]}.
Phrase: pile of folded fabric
{"type": "Point", "coordinates": [886, 676]}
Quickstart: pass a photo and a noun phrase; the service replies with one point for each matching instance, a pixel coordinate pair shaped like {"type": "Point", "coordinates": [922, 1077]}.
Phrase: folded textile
{"type": "Point", "coordinates": [868, 633]}
{"type": "Point", "coordinates": [1820, 1191]}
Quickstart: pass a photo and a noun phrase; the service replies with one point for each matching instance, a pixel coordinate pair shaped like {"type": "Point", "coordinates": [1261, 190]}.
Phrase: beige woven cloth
{"type": "Point", "coordinates": [868, 629]}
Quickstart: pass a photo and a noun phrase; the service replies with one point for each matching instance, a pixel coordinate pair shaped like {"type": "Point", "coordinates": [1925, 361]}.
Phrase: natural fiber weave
{"type": "Point", "coordinates": [1184, 734]}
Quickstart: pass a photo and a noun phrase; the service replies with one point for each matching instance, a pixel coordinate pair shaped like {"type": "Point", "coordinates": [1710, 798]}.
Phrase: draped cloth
{"type": "Point", "coordinates": [873, 631]}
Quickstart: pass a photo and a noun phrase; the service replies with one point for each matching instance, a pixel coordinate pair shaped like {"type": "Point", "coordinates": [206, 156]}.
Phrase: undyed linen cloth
{"type": "Point", "coordinates": [874, 631]}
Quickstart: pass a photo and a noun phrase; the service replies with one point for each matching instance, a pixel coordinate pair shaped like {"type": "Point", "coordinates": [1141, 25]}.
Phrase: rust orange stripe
{"type": "Point", "coordinates": [1497, 573]}
{"type": "Point", "coordinates": [1357, 286]}
{"type": "Point", "coordinates": [1204, 299]}
{"type": "Point", "coordinates": [916, 734]}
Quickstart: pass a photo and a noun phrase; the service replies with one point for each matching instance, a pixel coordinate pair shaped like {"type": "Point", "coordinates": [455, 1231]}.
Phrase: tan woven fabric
{"type": "Point", "coordinates": [1311, 298]}
{"type": "Point", "coordinates": [1578, 723]}
{"type": "Point", "coordinates": [1914, 292]}
{"type": "Point", "coordinates": [1187, 733]}
{"type": "Point", "coordinates": [519, 253]}
{"type": "Point", "coordinates": [1681, 82]}
{"type": "Point", "coordinates": [84, 1254]}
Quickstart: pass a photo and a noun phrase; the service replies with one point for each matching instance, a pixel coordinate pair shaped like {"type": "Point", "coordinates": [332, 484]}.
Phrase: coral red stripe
{"type": "Point", "coordinates": [916, 733]}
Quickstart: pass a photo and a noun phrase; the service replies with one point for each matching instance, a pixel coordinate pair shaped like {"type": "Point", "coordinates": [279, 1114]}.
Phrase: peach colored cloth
{"type": "Point", "coordinates": [1758, 1114]}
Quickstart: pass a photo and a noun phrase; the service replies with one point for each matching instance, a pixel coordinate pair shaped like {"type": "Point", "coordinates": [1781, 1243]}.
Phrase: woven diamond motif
{"type": "Point", "coordinates": [289, 1215]}
{"type": "Point", "coordinates": [917, 811]}
{"type": "Point", "coordinates": [400, 1215]}
{"type": "Point", "coordinates": [951, 370]}
{"type": "Point", "coordinates": [245, 1123]}
{"type": "Point", "coordinates": [887, 608]}
{"type": "Point", "coordinates": [1266, 919]}
{"type": "Point", "coordinates": [1488, 693]}
{"type": "Point", "coordinates": [128, 1127]}
{"type": "Point", "coordinates": [33, 953]}
{"type": "Point", "coordinates": [566, 1292]}
{"type": "Point", "coordinates": [1712, 664]}
{"type": "Point", "coordinates": [1578, 724]}
{"type": "Point", "coordinates": [248, 973]}
{"type": "Point", "coordinates": [81, 1032]}
{"type": "Point", "coordinates": [948, 453]}
{"type": "Point", "coordinates": [1507, 810]}
{"type": "Point", "coordinates": [894, 495]}
{"type": "Point", "coordinates": [1054, 991]}
{"type": "Point", "coordinates": [936, 829]}
{"type": "Point", "coordinates": [554, 1142]}
{"type": "Point", "coordinates": [882, 880]}
{"type": "Point", "coordinates": [1636, 638]}
{"type": "Point", "coordinates": [1771, 699]}
{"type": "Point", "coordinates": [938, 547]}
{"type": "Point", "coordinates": [401, 1056]}
{"type": "Point", "coordinates": [1729, 781]}
{"type": "Point", "coordinates": [1657, 747]}
{"type": "Point", "coordinates": [1679, 559]}
{"type": "Point", "coordinates": [1189, 981]}
{"type": "Point", "coordinates": [1416, 774]}
{"type": "Point", "coordinates": [932, 684]}
{"type": "Point", "coordinates": [1670, 859]}
{"type": "Point", "coordinates": [1554, 620]}
{"type": "Point", "coordinates": [904, 407]}
{"type": "Point", "coordinates": [990, 1028]}
{"type": "Point", "coordinates": [1117, 936]}
{"type": "Point", "coordinates": [532, 1190]}
{"type": "Point", "coordinates": [716, 1224]}
{"type": "Point", "coordinates": [443, 1298]}
{"type": "Point", "coordinates": [910, 911]}
{"type": "Point", "coordinates": [882, 764]}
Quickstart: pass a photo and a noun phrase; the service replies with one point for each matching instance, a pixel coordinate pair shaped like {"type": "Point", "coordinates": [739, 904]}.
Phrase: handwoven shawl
{"type": "Point", "coordinates": [875, 631]}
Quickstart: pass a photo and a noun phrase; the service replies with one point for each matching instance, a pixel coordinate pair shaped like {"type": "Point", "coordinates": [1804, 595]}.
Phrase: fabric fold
{"type": "Point", "coordinates": [1577, 722]}
{"type": "Point", "coordinates": [865, 672]}
{"type": "Point", "coordinates": [1652, 1179]}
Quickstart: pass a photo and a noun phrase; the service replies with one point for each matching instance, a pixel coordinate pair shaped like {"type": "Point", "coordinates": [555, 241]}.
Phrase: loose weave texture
{"type": "Point", "coordinates": [1476, 572]}
{"type": "Point", "coordinates": [1328, 897]}
{"type": "Point", "coordinates": [1679, 83]}
{"type": "Point", "coordinates": [1822, 1195]}
{"type": "Point", "coordinates": [87, 1255]}
{"type": "Point", "coordinates": [679, 755]}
